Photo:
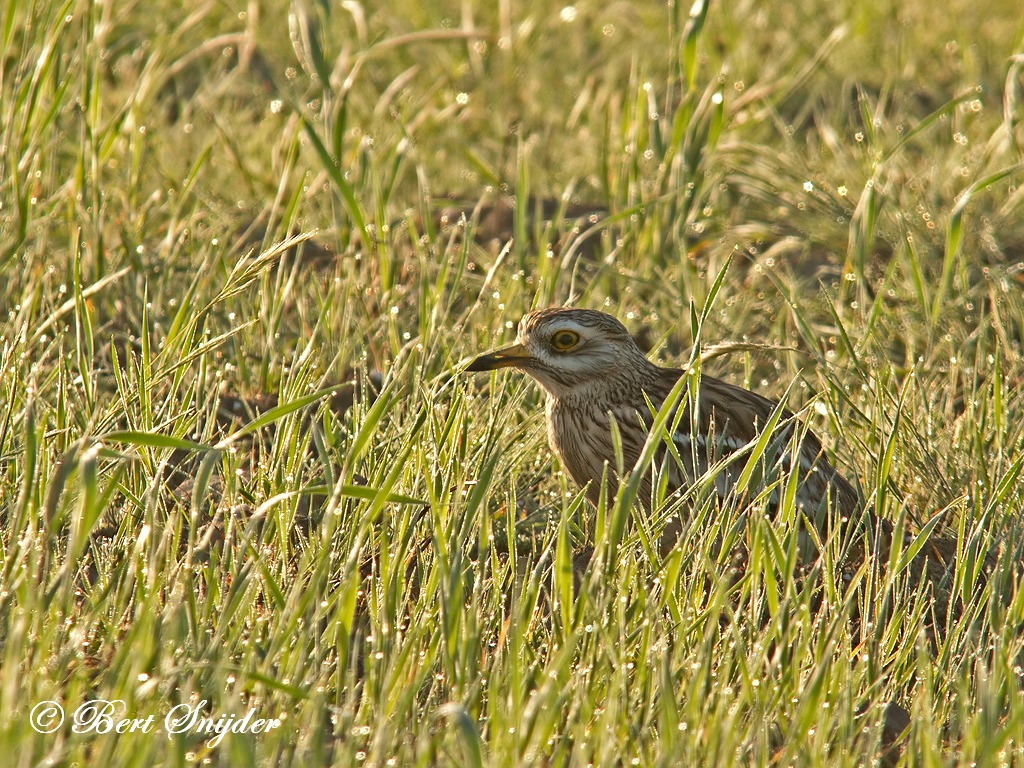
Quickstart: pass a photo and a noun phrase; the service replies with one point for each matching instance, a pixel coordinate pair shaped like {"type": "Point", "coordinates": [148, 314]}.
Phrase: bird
{"type": "Point", "coordinates": [598, 383]}
{"type": "Point", "coordinates": [595, 375]}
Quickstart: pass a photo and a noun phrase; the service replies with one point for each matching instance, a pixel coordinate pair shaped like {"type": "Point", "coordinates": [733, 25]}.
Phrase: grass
{"type": "Point", "coordinates": [238, 462]}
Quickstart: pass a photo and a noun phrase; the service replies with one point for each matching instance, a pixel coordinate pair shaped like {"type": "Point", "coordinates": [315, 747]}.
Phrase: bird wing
{"type": "Point", "coordinates": [728, 419]}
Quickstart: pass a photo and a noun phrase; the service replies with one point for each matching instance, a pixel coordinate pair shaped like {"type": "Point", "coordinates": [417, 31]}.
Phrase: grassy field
{"type": "Point", "coordinates": [245, 251]}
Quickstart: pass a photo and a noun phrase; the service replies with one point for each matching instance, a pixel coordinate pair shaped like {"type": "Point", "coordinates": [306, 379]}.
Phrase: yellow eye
{"type": "Point", "coordinates": [563, 341]}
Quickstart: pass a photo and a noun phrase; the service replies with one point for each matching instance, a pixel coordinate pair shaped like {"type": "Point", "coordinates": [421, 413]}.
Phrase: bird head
{"type": "Point", "coordinates": [567, 350]}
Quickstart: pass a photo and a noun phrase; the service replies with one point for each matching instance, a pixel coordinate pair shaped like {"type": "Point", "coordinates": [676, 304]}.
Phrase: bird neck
{"type": "Point", "coordinates": [622, 383]}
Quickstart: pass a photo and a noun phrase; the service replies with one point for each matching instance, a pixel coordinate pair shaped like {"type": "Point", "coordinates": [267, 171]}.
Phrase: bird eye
{"type": "Point", "coordinates": [563, 341]}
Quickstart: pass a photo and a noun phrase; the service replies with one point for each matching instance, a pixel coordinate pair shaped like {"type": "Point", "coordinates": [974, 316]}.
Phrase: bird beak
{"type": "Point", "coordinates": [510, 357]}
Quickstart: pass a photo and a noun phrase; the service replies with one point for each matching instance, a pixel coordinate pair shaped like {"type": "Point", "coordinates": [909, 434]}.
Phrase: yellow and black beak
{"type": "Point", "coordinates": [510, 357]}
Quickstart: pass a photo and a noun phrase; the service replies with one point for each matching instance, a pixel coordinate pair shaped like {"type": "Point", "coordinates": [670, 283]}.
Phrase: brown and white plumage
{"type": "Point", "coordinates": [594, 373]}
